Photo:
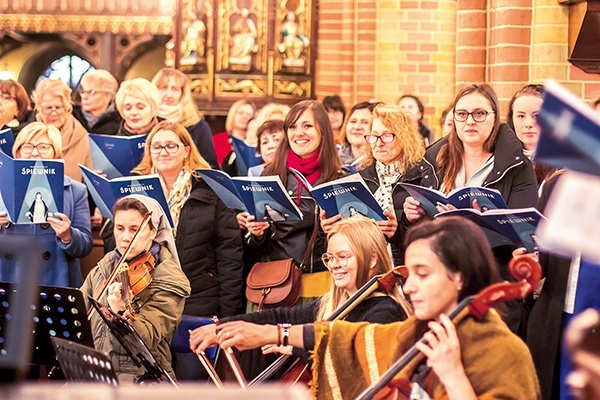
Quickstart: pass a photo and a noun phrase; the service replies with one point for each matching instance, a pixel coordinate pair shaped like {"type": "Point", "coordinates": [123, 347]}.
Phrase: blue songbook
{"type": "Point", "coordinates": [570, 132]}
{"type": "Point", "coordinates": [264, 197]}
{"type": "Point", "coordinates": [106, 192]}
{"type": "Point", "coordinates": [116, 156]}
{"type": "Point", "coordinates": [31, 190]}
{"type": "Point", "coordinates": [488, 199]}
{"type": "Point", "coordinates": [348, 196]}
{"type": "Point", "coordinates": [245, 155]}
{"type": "Point", "coordinates": [7, 139]}
{"type": "Point", "coordinates": [512, 226]}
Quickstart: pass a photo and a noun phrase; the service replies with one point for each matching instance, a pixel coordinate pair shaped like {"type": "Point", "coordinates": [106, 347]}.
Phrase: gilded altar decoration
{"type": "Point", "coordinates": [291, 88]}
{"type": "Point", "coordinates": [245, 86]}
{"type": "Point", "coordinates": [193, 43]}
{"type": "Point", "coordinates": [293, 42]}
{"type": "Point", "coordinates": [243, 39]}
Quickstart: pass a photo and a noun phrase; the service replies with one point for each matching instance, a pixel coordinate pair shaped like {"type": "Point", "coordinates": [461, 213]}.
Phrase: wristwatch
{"type": "Point", "coordinates": [286, 334]}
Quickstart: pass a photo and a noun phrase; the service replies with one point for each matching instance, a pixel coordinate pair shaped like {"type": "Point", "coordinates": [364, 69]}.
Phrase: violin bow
{"type": "Point", "coordinates": [383, 282]}
{"type": "Point", "coordinates": [524, 268]}
{"type": "Point", "coordinates": [118, 267]}
{"type": "Point", "coordinates": [233, 362]}
{"type": "Point", "coordinates": [212, 373]}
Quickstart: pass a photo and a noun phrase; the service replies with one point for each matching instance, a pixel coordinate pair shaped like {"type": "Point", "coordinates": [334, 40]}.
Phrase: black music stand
{"type": "Point", "coordinates": [134, 345]}
{"type": "Point", "coordinates": [58, 312]}
{"type": "Point", "coordinates": [84, 364]}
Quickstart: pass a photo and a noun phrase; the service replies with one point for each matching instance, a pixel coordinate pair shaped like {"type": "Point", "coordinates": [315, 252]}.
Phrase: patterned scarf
{"type": "Point", "coordinates": [309, 167]}
{"type": "Point", "coordinates": [178, 195]}
{"type": "Point", "coordinates": [388, 175]}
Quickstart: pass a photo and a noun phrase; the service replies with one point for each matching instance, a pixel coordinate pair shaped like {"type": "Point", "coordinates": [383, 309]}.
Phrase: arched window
{"type": "Point", "coordinates": [68, 69]}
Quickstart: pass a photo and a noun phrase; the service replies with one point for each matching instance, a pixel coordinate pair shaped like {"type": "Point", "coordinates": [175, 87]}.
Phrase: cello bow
{"type": "Point", "coordinates": [523, 268]}
{"type": "Point", "coordinates": [383, 282]}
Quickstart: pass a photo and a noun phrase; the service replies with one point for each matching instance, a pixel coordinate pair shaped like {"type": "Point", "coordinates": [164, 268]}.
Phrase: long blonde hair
{"type": "Point", "coordinates": [189, 112]}
{"type": "Point", "coordinates": [190, 164]}
{"type": "Point", "coordinates": [366, 242]}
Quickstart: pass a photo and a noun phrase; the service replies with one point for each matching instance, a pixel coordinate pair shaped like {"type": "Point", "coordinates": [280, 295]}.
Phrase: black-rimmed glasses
{"type": "Point", "coordinates": [385, 138]}
{"type": "Point", "coordinates": [42, 148]}
{"type": "Point", "coordinates": [170, 148]}
{"type": "Point", "coordinates": [478, 115]}
{"type": "Point", "coordinates": [341, 258]}
{"type": "Point", "coordinates": [90, 92]}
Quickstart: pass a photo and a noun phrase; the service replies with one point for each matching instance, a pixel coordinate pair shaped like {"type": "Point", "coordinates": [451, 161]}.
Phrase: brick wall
{"type": "Point", "coordinates": [383, 49]}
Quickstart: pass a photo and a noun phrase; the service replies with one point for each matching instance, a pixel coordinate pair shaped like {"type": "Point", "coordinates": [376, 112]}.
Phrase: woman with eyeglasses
{"type": "Point", "coordinates": [356, 251]}
{"type": "Point", "coordinates": [480, 151]}
{"type": "Point", "coordinates": [97, 112]}
{"type": "Point", "coordinates": [67, 236]}
{"type": "Point", "coordinates": [206, 231]}
{"type": "Point", "coordinates": [53, 106]}
{"type": "Point", "coordinates": [14, 105]}
{"type": "Point", "coordinates": [177, 105]}
{"type": "Point", "coordinates": [393, 151]}
{"type": "Point", "coordinates": [448, 259]}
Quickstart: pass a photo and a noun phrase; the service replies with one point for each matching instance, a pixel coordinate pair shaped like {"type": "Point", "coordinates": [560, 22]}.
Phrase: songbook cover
{"type": "Point", "coordinates": [116, 156]}
{"type": "Point", "coordinates": [264, 197]}
{"type": "Point", "coordinates": [106, 192]}
{"type": "Point", "coordinates": [7, 139]}
{"type": "Point", "coordinates": [488, 199]}
{"type": "Point", "coordinates": [31, 190]}
{"type": "Point", "coordinates": [246, 156]}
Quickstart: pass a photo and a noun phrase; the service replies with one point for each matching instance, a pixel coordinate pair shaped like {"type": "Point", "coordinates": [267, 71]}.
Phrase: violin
{"type": "Point", "coordinates": [298, 371]}
{"type": "Point", "coordinates": [133, 274]}
{"type": "Point", "coordinates": [528, 273]}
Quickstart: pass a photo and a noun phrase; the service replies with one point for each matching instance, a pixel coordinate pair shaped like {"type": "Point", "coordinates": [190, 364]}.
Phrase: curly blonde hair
{"type": "Point", "coordinates": [407, 134]}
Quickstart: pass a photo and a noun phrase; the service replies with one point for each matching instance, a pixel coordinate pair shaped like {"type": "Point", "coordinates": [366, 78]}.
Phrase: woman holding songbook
{"type": "Point", "coordinates": [356, 251]}
{"type": "Point", "coordinates": [67, 236]}
{"type": "Point", "coordinates": [159, 305]}
{"type": "Point", "coordinates": [52, 99]}
{"type": "Point", "coordinates": [206, 232]}
{"type": "Point", "coordinates": [521, 118]}
{"type": "Point", "coordinates": [394, 149]}
{"type": "Point", "coordinates": [448, 260]}
{"type": "Point", "coordinates": [177, 105]}
{"type": "Point", "coordinates": [480, 151]}
{"type": "Point", "coordinates": [308, 147]}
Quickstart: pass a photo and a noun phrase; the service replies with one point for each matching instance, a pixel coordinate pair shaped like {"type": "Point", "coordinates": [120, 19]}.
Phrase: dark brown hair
{"type": "Point", "coordinates": [462, 247]}
{"type": "Point", "coordinates": [270, 126]}
{"type": "Point", "coordinates": [16, 90]}
{"type": "Point", "coordinates": [450, 157]}
{"type": "Point", "coordinates": [129, 203]}
{"type": "Point", "coordinates": [329, 161]}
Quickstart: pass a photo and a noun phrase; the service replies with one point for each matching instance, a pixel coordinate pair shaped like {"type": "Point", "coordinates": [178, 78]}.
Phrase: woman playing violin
{"type": "Point", "coordinates": [448, 259]}
{"type": "Point", "coordinates": [160, 303]}
{"type": "Point", "coordinates": [356, 251]}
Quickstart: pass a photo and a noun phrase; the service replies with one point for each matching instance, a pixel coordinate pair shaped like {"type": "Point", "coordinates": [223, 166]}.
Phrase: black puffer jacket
{"type": "Point", "coordinates": [412, 176]}
{"type": "Point", "coordinates": [108, 124]}
{"type": "Point", "coordinates": [210, 251]}
{"type": "Point", "coordinates": [512, 174]}
{"type": "Point", "coordinates": [289, 239]}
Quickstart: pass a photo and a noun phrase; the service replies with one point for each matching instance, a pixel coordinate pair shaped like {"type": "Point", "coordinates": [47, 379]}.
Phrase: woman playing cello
{"type": "Point", "coordinates": [448, 259]}
{"type": "Point", "coordinates": [161, 302]}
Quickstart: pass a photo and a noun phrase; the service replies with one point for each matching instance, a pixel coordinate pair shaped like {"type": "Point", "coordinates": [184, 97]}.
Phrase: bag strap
{"type": "Point", "coordinates": [311, 244]}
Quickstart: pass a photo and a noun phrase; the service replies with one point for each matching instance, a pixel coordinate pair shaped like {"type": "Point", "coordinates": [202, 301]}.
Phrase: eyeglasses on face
{"type": "Point", "coordinates": [92, 92]}
{"type": "Point", "coordinates": [385, 138]}
{"type": "Point", "coordinates": [50, 110]}
{"type": "Point", "coordinates": [42, 148]}
{"type": "Point", "coordinates": [478, 115]}
{"type": "Point", "coordinates": [170, 148]}
{"type": "Point", "coordinates": [6, 97]}
{"type": "Point", "coordinates": [340, 258]}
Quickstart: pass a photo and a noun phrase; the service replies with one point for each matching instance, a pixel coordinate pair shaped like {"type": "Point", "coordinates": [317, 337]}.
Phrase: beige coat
{"type": "Point", "coordinates": [161, 309]}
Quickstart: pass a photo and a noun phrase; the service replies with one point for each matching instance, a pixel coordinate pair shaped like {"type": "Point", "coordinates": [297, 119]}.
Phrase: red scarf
{"type": "Point", "coordinates": [309, 167]}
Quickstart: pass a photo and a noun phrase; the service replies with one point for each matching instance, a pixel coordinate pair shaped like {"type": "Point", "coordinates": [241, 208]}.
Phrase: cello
{"type": "Point", "coordinates": [523, 268]}
{"type": "Point", "coordinates": [298, 371]}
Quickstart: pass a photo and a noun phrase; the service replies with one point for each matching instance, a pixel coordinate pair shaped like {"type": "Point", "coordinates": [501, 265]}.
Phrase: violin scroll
{"type": "Point", "coordinates": [526, 268]}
